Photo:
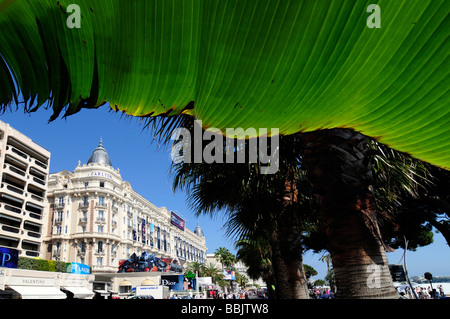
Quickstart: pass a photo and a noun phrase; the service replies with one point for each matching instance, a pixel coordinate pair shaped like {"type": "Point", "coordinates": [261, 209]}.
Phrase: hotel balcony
{"type": "Point", "coordinates": [83, 205]}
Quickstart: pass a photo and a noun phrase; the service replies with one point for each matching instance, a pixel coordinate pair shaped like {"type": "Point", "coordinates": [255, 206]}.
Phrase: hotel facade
{"type": "Point", "coordinates": [94, 217]}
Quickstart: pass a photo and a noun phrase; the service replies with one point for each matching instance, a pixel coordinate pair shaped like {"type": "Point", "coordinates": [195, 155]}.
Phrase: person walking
{"type": "Point", "coordinates": [441, 291]}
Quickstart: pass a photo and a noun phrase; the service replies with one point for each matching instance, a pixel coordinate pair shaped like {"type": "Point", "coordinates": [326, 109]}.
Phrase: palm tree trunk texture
{"type": "Point", "coordinates": [341, 175]}
{"type": "Point", "coordinates": [286, 248]}
{"type": "Point", "coordinates": [288, 270]}
{"type": "Point", "coordinates": [270, 282]}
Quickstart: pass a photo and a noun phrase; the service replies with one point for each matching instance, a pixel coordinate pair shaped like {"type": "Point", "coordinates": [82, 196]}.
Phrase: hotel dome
{"type": "Point", "coordinates": [100, 155]}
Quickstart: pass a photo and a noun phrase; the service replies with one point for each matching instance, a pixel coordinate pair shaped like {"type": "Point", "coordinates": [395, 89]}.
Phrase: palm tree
{"type": "Point", "coordinates": [343, 168]}
{"type": "Point", "coordinates": [256, 255]}
{"type": "Point", "coordinates": [210, 270]}
{"type": "Point", "coordinates": [225, 257]}
{"type": "Point", "coordinates": [340, 173]}
{"type": "Point", "coordinates": [195, 267]}
{"type": "Point", "coordinates": [241, 279]}
{"type": "Point", "coordinates": [269, 199]}
{"type": "Point", "coordinates": [330, 274]}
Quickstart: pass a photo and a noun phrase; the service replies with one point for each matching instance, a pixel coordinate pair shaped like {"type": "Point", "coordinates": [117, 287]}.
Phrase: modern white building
{"type": "Point", "coordinates": [94, 217]}
{"type": "Point", "coordinates": [24, 170]}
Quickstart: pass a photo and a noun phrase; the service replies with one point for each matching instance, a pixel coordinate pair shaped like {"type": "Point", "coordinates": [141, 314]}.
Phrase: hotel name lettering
{"type": "Point", "coordinates": [106, 175]}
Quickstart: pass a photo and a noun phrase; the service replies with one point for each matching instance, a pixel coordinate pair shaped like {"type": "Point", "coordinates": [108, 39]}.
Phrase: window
{"type": "Point", "coordinates": [59, 216]}
{"type": "Point", "coordinates": [100, 247]}
{"type": "Point", "coordinates": [102, 184]}
{"type": "Point", "coordinates": [99, 261]}
{"type": "Point", "coordinates": [83, 216]}
{"type": "Point", "coordinates": [58, 229]}
{"type": "Point", "coordinates": [83, 247]}
{"type": "Point", "coordinates": [158, 237]}
{"type": "Point", "coordinates": [125, 289]}
{"type": "Point", "coordinates": [100, 229]}
{"type": "Point", "coordinates": [83, 229]}
{"type": "Point", "coordinates": [66, 229]}
{"type": "Point", "coordinates": [86, 184]}
{"type": "Point", "coordinates": [101, 200]}
{"type": "Point", "coordinates": [165, 241]}
{"type": "Point", "coordinates": [61, 201]}
{"type": "Point", "coordinates": [85, 201]}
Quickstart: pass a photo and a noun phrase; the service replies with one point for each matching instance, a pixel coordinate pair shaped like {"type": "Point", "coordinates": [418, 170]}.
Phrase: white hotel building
{"type": "Point", "coordinates": [94, 217]}
{"type": "Point", "coordinates": [24, 171]}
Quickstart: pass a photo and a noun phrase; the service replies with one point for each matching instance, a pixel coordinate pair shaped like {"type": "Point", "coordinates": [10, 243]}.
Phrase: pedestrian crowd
{"type": "Point", "coordinates": [421, 292]}
{"type": "Point", "coordinates": [321, 293]}
{"type": "Point", "coordinates": [235, 295]}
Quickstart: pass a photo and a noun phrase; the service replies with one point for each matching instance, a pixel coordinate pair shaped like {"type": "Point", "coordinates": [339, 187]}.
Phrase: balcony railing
{"type": "Point", "coordinates": [100, 204]}
{"type": "Point", "coordinates": [83, 220]}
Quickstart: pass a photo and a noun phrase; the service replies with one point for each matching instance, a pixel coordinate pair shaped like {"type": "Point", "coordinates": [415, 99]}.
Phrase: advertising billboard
{"type": "Point", "coordinates": [229, 274]}
{"type": "Point", "coordinates": [178, 282]}
{"type": "Point", "coordinates": [77, 268]}
{"type": "Point", "coordinates": [176, 220]}
{"type": "Point", "coordinates": [9, 257]}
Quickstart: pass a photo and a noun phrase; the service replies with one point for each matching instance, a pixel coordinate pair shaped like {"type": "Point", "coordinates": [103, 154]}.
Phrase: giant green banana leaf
{"type": "Point", "coordinates": [296, 65]}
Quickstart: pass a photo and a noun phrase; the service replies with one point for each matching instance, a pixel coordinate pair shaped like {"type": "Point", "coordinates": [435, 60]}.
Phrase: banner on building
{"type": "Point", "coordinates": [77, 268]}
{"type": "Point", "coordinates": [229, 274]}
{"type": "Point", "coordinates": [176, 220]}
{"type": "Point", "coordinates": [149, 262]}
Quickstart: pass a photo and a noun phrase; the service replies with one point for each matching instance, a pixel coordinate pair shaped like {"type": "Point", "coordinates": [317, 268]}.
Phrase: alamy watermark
{"type": "Point", "coordinates": [251, 146]}
{"type": "Point", "coordinates": [74, 19]}
{"type": "Point", "coordinates": [374, 279]}
{"type": "Point", "coordinates": [374, 19]}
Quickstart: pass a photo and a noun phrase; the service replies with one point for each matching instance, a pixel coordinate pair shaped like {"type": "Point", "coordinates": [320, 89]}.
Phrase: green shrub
{"type": "Point", "coordinates": [41, 264]}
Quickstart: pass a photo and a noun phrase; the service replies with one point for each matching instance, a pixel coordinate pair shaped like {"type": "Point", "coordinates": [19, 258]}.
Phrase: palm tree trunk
{"type": "Point", "coordinates": [270, 282]}
{"type": "Point", "coordinates": [287, 259]}
{"type": "Point", "coordinates": [340, 173]}
{"type": "Point", "coordinates": [290, 279]}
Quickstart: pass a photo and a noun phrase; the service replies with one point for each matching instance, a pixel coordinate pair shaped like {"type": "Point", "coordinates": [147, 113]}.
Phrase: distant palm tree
{"type": "Point", "coordinates": [327, 259]}
{"type": "Point", "coordinates": [225, 257]}
{"type": "Point", "coordinates": [256, 255]}
{"type": "Point", "coordinates": [210, 270]}
{"type": "Point", "coordinates": [195, 267]}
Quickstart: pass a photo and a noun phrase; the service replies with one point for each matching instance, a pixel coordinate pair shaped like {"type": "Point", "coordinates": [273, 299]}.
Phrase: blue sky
{"type": "Point", "coordinates": [147, 169]}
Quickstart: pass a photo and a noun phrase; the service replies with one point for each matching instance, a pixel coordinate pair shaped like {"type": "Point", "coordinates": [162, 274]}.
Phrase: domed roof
{"type": "Point", "coordinates": [198, 231]}
{"type": "Point", "coordinates": [99, 155]}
